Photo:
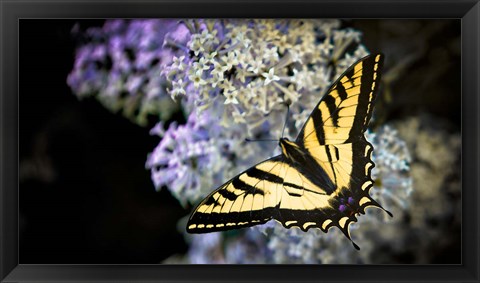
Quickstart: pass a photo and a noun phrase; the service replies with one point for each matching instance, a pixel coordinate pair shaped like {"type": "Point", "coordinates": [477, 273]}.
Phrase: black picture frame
{"type": "Point", "coordinates": [12, 11]}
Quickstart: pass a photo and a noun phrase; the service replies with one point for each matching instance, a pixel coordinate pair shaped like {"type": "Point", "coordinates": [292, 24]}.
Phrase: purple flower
{"type": "Point", "coordinates": [184, 156]}
{"type": "Point", "coordinates": [126, 57]}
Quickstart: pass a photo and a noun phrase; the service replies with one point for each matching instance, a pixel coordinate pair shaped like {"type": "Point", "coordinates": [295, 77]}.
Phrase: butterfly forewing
{"type": "Point", "coordinates": [345, 110]}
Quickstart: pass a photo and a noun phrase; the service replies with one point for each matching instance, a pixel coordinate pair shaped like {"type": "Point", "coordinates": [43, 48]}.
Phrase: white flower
{"type": "Point", "coordinates": [178, 89]}
{"type": "Point", "coordinates": [196, 45]}
{"type": "Point", "coordinates": [242, 39]}
{"type": "Point", "coordinates": [231, 97]}
{"type": "Point", "coordinates": [218, 70]}
{"type": "Point", "coordinates": [197, 78]}
{"type": "Point", "coordinates": [202, 63]}
{"type": "Point", "coordinates": [242, 74]}
{"type": "Point", "coordinates": [209, 57]}
{"type": "Point", "coordinates": [178, 63]}
{"type": "Point", "coordinates": [239, 117]}
{"type": "Point", "coordinates": [256, 66]}
{"type": "Point", "coordinates": [271, 54]}
{"type": "Point", "coordinates": [250, 91]}
{"type": "Point", "coordinates": [270, 76]}
{"type": "Point", "coordinates": [228, 86]}
{"type": "Point", "coordinates": [295, 55]}
{"type": "Point", "coordinates": [230, 60]}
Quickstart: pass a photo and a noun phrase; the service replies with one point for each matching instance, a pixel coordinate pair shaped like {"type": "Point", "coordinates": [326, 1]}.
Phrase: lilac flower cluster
{"type": "Point", "coordinates": [121, 65]}
{"type": "Point", "coordinates": [190, 158]}
{"type": "Point", "coordinates": [254, 67]}
{"type": "Point", "coordinates": [248, 247]}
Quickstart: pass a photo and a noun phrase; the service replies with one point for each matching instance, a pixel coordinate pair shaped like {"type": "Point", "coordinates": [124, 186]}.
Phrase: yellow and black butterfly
{"type": "Point", "coordinates": [320, 180]}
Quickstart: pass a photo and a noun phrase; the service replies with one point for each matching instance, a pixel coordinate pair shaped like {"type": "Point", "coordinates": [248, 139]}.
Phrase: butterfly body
{"type": "Point", "coordinates": [320, 180]}
{"type": "Point", "coordinates": [297, 157]}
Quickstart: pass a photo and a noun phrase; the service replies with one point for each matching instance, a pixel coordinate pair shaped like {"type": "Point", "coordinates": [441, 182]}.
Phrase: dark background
{"type": "Point", "coordinates": [100, 206]}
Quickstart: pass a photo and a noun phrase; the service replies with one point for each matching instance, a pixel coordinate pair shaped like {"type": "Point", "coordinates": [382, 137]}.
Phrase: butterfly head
{"type": "Point", "coordinates": [290, 149]}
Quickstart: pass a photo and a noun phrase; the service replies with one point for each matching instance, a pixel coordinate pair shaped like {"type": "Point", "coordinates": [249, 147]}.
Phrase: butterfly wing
{"type": "Point", "coordinates": [247, 199]}
{"type": "Point", "coordinates": [273, 189]}
{"type": "Point", "coordinates": [343, 114]}
{"type": "Point", "coordinates": [333, 136]}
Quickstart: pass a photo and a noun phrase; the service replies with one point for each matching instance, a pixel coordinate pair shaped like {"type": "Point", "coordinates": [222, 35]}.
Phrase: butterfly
{"type": "Point", "coordinates": [320, 180]}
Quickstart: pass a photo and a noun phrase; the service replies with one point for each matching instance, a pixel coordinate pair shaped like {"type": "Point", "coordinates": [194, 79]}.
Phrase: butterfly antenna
{"type": "Point", "coordinates": [286, 119]}
{"type": "Point", "coordinates": [263, 140]}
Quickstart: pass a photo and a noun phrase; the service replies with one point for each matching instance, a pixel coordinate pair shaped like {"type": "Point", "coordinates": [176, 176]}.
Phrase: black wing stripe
{"type": "Point", "coordinates": [293, 185]}
{"type": "Point", "coordinates": [318, 130]}
{"type": "Point", "coordinates": [349, 74]}
{"type": "Point", "coordinates": [226, 194]}
{"type": "Point", "coordinates": [332, 108]}
{"type": "Point", "coordinates": [259, 174]}
{"type": "Point", "coordinates": [329, 156]}
{"type": "Point", "coordinates": [342, 93]}
{"type": "Point", "coordinates": [248, 189]}
{"type": "Point", "coordinates": [337, 153]}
